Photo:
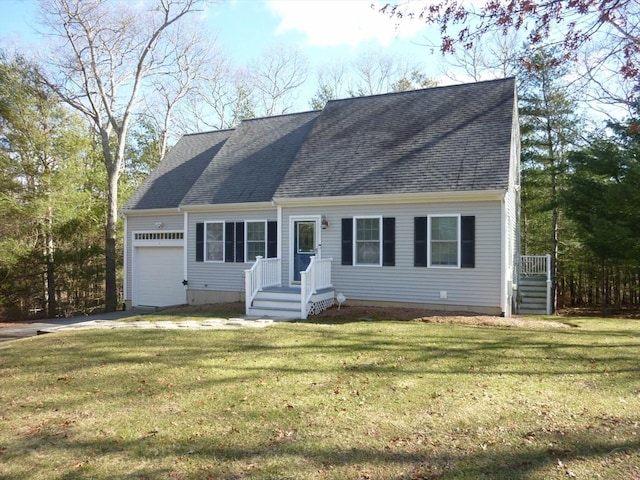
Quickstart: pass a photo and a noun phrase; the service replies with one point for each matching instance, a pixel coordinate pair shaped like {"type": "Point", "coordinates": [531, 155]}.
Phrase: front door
{"type": "Point", "coordinates": [304, 245]}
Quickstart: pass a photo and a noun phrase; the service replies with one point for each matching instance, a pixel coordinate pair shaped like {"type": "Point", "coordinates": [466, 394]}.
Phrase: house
{"type": "Point", "coordinates": [407, 198]}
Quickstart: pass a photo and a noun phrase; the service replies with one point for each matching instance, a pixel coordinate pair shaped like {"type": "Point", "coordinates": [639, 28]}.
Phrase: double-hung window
{"type": "Point", "coordinates": [444, 241]}
{"type": "Point", "coordinates": [256, 238]}
{"type": "Point", "coordinates": [214, 242]}
{"type": "Point", "coordinates": [368, 240]}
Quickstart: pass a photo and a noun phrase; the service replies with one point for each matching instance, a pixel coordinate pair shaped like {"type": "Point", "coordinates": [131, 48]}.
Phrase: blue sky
{"type": "Point", "coordinates": [325, 30]}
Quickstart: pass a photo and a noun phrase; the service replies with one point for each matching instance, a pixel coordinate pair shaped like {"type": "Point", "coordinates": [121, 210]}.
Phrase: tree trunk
{"type": "Point", "coordinates": [50, 259]}
{"type": "Point", "coordinates": [111, 286]}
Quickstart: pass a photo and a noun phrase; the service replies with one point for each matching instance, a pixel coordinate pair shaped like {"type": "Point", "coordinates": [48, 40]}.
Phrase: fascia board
{"type": "Point", "coordinates": [473, 196]}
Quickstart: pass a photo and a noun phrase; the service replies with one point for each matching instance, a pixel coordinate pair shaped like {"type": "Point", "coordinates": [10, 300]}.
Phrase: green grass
{"type": "Point", "coordinates": [348, 400]}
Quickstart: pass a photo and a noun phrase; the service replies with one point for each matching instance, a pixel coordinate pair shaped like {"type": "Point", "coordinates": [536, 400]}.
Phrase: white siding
{"type": "Point", "coordinates": [170, 223]}
{"type": "Point", "coordinates": [479, 286]}
{"type": "Point", "coordinates": [219, 276]}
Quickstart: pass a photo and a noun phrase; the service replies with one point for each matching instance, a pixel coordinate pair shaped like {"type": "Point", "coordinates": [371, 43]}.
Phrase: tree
{"type": "Point", "coordinates": [371, 73]}
{"type": "Point", "coordinates": [41, 151]}
{"type": "Point", "coordinates": [549, 131]}
{"type": "Point", "coordinates": [105, 55]}
{"type": "Point", "coordinates": [275, 77]}
{"type": "Point", "coordinates": [578, 22]}
{"type": "Point", "coordinates": [603, 199]}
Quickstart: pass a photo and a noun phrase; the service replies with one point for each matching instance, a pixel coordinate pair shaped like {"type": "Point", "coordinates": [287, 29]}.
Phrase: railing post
{"type": "Point", "coordinates": [549, 280]}
{"type": "Point", "coordinates": [303, 295]}
{"type": "Point", "coordinates": [259, 278]}
{"type": "Point", "coordinates": [248, 286]}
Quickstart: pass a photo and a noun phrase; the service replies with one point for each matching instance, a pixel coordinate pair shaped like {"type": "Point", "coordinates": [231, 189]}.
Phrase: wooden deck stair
{"type": "Point", "coordinates": [533, 295]}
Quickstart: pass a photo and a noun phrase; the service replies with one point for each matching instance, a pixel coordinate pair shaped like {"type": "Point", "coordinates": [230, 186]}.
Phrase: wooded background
{"type": "Point", "coordinates": [83, 124]}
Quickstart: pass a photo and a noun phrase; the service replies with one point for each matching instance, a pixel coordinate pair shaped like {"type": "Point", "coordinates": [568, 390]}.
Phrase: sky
{"type": "Point", "coordinates": [324, 30]}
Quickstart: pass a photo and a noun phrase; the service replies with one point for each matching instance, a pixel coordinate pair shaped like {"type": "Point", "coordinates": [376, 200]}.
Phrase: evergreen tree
{"type": "Point", "coordinates": [549, 129]}
{"type": "Point", "coordinates": [603, 199]}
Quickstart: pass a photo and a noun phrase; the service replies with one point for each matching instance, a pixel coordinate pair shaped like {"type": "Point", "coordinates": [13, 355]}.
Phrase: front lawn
{"type": "Point", "coordinates": [347, 400]}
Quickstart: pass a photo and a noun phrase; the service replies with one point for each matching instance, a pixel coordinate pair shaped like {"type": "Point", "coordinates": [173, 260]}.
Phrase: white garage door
{"type": "Point", "coordinates": [158, 282]}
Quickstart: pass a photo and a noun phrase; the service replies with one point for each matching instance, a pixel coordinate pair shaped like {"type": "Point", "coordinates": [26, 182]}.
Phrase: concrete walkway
{"type": "Point", "coordinates": [106, 321]}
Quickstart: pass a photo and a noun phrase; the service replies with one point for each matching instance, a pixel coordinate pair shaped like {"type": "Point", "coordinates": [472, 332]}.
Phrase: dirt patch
{"type": "Point", "coordinates": [349, 312]}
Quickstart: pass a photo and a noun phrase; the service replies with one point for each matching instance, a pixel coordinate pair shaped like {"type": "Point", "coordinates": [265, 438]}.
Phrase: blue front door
{"type": "Point", "coordinates": [304, 246]}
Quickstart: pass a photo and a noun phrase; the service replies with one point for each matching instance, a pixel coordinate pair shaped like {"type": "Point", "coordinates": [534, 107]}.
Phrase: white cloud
{"type": "Point", "coordinates": [335, 23]}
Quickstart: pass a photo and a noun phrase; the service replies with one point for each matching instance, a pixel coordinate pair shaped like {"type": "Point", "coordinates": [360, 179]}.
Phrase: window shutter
{"type": "Point", "coordinates": [347, 241]}
{"type": "Point", "coordinates": [272, 239]}
{"type": "Point", "coordinates": [468, 238]}
{"type": "Point", "coordinates": [388, 242]}
{"type": "Point", "coordinates": [420, 241]}
{"type": "Point", "coordinates": [229, 242]}
{"type": "Point", "coordinates": [240, 242]}
{"type": "Point", "coordinates": [199, 242]}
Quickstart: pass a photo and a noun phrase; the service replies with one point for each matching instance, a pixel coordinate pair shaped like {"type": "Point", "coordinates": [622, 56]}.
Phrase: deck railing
{"type": "Point", "coordinates": [535, 265]}
{"type": "Point", "coordinates": [265, 272]}
{"type": "Point", "coordinates": [316, 277]}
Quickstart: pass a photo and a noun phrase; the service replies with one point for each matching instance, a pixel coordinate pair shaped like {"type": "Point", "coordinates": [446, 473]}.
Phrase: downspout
{"type": "Point", "coordinates": [185, 256]}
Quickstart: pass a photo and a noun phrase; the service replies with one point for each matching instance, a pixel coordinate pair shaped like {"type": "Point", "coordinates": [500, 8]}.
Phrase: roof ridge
{"type": "Point", "coordinates": [435, 87]}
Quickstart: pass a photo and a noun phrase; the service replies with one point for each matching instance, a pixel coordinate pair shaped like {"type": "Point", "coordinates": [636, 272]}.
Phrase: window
{"type": "Point", "coordinates": [214, 243]}
{"type": "Point", "coordinates": [444, 241]}
{"type": "Point", "coordinates": [225, 241]}
{"type": "Point", "coordinates": [256, 240]}
{"type": "Point", "coordinates": [368, 246]}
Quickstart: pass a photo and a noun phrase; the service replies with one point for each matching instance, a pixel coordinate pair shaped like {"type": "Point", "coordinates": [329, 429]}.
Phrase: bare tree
{"type": "Point", "coordinates": [223, 98]}
{"type": "Point", "coordinates": [275, 78]}
{"type": "Point", "coordinates": [375, 73]}
{"type": "Point", "coordinates": [187, 52]}
{"type": "Point", "coordinates": [105, 55]}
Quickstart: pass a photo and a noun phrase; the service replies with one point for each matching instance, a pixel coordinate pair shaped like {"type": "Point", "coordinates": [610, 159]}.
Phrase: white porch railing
{"type": "Point", "coordinates": [538, 265]}
{"type": "Point", "coordinates": [265, 272]}
{"type": "Point", "coordinates": [316, 277]}
{"type": "Point", "coordinates": [535, 265]}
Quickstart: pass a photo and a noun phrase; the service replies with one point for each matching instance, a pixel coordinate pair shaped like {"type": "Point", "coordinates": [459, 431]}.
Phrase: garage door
{"type": "Point", "coordinates": [158, 282]}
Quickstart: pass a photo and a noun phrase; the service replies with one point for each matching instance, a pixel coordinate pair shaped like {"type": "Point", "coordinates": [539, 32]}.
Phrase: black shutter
{"type": "Point", "coordinates": [388, 242]}
{"type": "Point", "coordinates": [199, 242]}
{"type": "Point", "coordinates": [240, 242]}
{"type": "Point", "coordinates": [229, 242]}
{"type": "Point", "coordinates": [468, 238]}
{"type": "Point", "coordinates": [272, 239]}
{"type": "Point", "coordinates": [347, 241]}
{"type": "Point", "coordinates": [420, 241]}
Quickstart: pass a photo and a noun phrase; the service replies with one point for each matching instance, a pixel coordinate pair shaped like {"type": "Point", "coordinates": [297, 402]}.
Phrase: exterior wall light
{"type": "Point", "coordinates": [324, 222]}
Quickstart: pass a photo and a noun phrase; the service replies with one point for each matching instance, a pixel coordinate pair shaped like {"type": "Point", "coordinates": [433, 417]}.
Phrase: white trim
{"type": "Point", "coordinates": [206, 260]}
{"type": "Point", "coordinates": [437, 197]}
{"type": "Point", "coordinates": [459, 239]}
{"type": "Point", "coordinates": [185, 253]}
{"type": "Point", "coordinates": [303, 218]}
{"type": "Point", "coordinates": [229, 207]}
{"type": "Point", "coordinates": [177, 242]}
{"type": "Point", "coordinates": [246, 240]}
{"type": "Point", "coordinates": [279, 233]}
{"type": "Point", "coordinates": [503, 259]}
{"type": "Point", "coordinates": [150, 211]}
{"type": "Point", "coordinates": [355, 240]}
{"type": "Point", "coordinates": [125, 246]}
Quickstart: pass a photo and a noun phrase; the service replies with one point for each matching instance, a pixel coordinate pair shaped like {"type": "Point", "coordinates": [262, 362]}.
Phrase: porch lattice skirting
{"type": "Point", "coordinates": [320, 306]}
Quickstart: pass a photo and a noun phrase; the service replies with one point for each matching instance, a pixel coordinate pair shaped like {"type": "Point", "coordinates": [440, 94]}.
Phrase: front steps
{"type": "Point", "coordinates": [285, 303]}
{"type": "Point", "coordinates": [532, 293]}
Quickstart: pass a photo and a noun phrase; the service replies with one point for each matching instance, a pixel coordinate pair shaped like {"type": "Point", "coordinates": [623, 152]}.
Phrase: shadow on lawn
{"type": "Point", "coordinates": [554, 456]}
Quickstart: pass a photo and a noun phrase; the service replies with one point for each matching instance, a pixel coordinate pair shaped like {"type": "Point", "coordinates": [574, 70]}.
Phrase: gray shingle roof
{"type": "Point", "coordinates": [253, 162]}
{"type": "Point", "coordinates": [170, 181]}
{"type": "Point", "coordinates": [454, 138]}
